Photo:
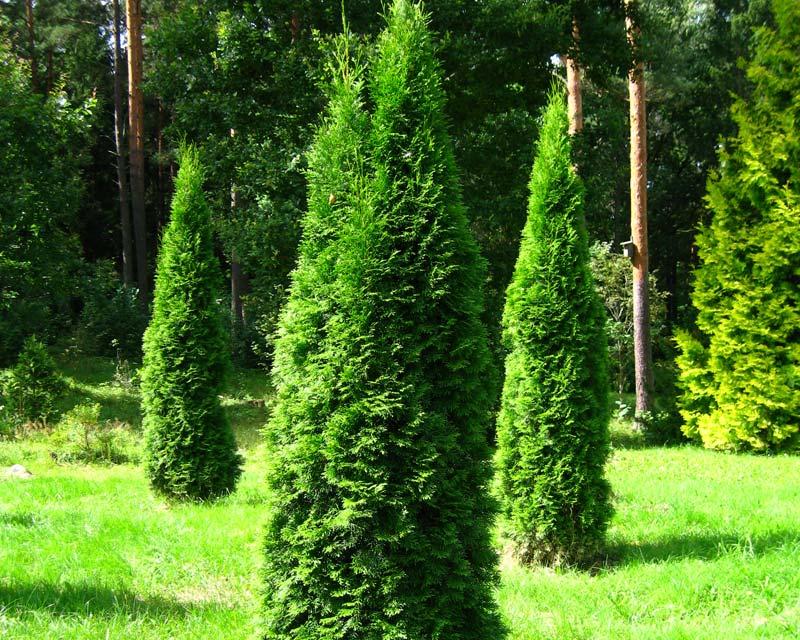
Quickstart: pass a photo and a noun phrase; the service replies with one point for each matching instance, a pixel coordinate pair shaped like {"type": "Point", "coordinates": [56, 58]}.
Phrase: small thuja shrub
{"type": "Point", "coordinates": [740, 373]}
{"type": "Point", "coordinates": [190, 448]}
{"type": "Point", "coordinates": [32, 386]}
{"type": "Point", "coordinates": [81, 436]}
{"type": "Point", "coordinates": [380, 516]}
{"type": "Point", "coordinates": [552, 429]}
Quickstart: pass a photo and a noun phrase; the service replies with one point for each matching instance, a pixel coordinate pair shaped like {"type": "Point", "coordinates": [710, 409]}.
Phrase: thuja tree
{"type": "Point", "coordinates": [552, 428]}
{"type": "Point", "coordinates": [190, 448]}
{"type": "Point", "coordinates": [740, 374]}
{"type": "Point", "coordinates": [380, 515]}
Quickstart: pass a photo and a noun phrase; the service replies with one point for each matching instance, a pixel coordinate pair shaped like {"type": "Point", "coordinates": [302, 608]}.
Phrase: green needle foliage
{"type": "Point", "coordinates": [190, 448]}
{"type": "Point", "coordinates": [741, 378]}
{"type": "Point", "coordinates": [380, 513]}
{"type": "Point", "coordinates": [552, 429]}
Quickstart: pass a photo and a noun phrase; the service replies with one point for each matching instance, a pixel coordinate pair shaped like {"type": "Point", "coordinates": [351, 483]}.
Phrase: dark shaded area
{"type": "Point", "coordinates": [628, 439]}
{"type": "Point", "coordinates": [25, 520]}
{"type": "Point", "coordinates": [697, 547]}
{"type": "Point", "coordinates": [86, 600]}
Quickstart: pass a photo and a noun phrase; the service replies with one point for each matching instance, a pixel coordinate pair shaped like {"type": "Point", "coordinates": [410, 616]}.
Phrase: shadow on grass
{"type": "Point", "coordinates": [86, 600]}
{"type": "Point", "coordinates": [120, 405]}
{"type": "Point", "coordinates": [699, 547]}
{"type": "Point", "coordinates": [25, 520]}
{"type": "Point", "coordinates": [628, 439]}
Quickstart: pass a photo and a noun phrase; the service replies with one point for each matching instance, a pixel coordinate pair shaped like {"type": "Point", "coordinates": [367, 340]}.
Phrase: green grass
{"type": "Point", "coordinates": [703, 546]}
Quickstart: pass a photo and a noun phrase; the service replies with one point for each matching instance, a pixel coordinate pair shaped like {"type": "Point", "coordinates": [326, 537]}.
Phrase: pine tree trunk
{"type": "Point", "coordinates": [641, 307]}
{"type": "Point", "coordinates": [136, 141]}
{"type": "Point", "coordinates": [122, 169]}
{"type": "Point", "coordinates": [237, 309]}
{"type": "Point", "coordinates": [161, 214]}
{"type": "Point", "coordinates": [51, 75]}
{"type": "Point", "coordinates": [29, 23]}
{"type": "Point", "coordinates": [574, 95]}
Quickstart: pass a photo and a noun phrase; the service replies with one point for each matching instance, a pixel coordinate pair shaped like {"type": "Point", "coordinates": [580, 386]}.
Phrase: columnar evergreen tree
{"type": "Point", "coordinates": [553, 425]}
{"type": "Point", "coordinates": [380, 514]}
{"type": "Point", "coordinates": [741, 378]}
{"type": "Point", "coordinates": [191, 451]}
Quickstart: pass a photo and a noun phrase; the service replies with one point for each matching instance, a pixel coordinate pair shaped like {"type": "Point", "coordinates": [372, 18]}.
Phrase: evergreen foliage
{"type": "Point", "coordinates": [380, 513]}
{"type": "Point", "coordinates": [190, 447]}
{"type": "Point", "coordinates": [741, 375]}
{"type": "Point", "coordinates": [552, 429]}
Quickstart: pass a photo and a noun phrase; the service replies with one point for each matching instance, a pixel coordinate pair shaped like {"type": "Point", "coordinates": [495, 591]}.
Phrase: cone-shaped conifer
{"type": "Point", "coordinates": [552, 429]}
{"type": "Point", "coordinates": [190, 448]}
{"type": "Point", "coordinates": [380, 516]}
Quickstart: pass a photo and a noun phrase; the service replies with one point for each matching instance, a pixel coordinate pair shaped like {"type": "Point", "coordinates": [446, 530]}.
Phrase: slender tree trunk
{"type": "Point", "coordinates": [237, 308]}
{"type": "Point", "coordinates": [136, 141]}
{"type": "Point", "coordinates": [160, 199]}
{"type": "Point", "coordinates": [29, 23]}
{"type": "Point", "coordinates": [641, 307]}
{"type": "Point", "coordinates": [574, 95]}
{"type": "Point", "coordinates": [51, 74]}
{"type": "Point", "coordinates": [237, 281]}
{"type": "Point", "coordinates": [122, 168]}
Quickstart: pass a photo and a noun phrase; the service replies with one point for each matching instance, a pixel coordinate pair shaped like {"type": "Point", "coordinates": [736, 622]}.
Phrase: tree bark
{"type": "Point", "coordinates": [237, 308]}
{"type": "Point", "coordinates": [51, 75]}
{"type": "Point", "coordinates": [136, 141]}
{"type": "Point", "coordinates": [574, 95]}
{"type": "Point", "coordinates": [641, 307]}
{"type": "Point", "coordinates": [122, 168]}
{"type": "Point", "coordinates": [237, 280]}
{"type": "Point", "coordinates": [29, 23]}
{"type": "Point", "coordinates": [161, 214]}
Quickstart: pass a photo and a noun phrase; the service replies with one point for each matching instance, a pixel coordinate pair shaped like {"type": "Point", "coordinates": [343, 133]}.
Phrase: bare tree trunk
{"type": "Point", "coordinates": [51, 74]}
{"type": "Point", "coordinates": [574, 95]}
{"type": "Point", "coordinates": [237, 283]}
{"type": "Point", "coordinates": [295, 26]}
{"type": "Point", "coordinates": [122, 169]}
{"type": "Point", "coordinates": [641, 308]}
{"type": "Point", "coordinates": [160, 199]}
{"type": "Point", "coordinates": [29, 22]}
{"type": "Point", "coordinates": [136, 141]}
{"type": "Point", "coordinates": [237, 308]}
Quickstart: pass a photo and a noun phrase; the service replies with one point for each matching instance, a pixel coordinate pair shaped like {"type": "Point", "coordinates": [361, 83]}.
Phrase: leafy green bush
{"type": "Point", "coordinates": [553, 438]}
{"type": "Point", "coordinates": [191, 451]}
{"type": "Point", "coordinates": [80, 436]}
{"type": "Point", "coordinates": [33, 385]}
{"type": "Point", "coordinates": [739, 372]}
{"type": "Point", "coordinates": [380, 516]}
{"type": "Point", "coordinates": [112, 321]}
{"type": "Point", "coordinates": [41, 156]}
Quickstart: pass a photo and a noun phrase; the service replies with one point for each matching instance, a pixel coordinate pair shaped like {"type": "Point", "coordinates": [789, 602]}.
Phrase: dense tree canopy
{"type": "Point", "coordinates": [40, 192]}
{"type": "Point", "coordinates": [242, 81]}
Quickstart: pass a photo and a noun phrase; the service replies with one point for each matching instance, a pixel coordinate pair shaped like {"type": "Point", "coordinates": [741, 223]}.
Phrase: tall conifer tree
{"type": "Point", "coordinates": [191, 452]}
{"type": "Point", "coordinates": [552, 429]}
{"type": "Point", "coordinates": [741, 378]}
{"type": "Point", "coordinates": [380, 515]}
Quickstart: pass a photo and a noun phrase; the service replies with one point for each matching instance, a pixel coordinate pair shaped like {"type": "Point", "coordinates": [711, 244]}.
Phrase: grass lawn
{"type": "Point", "coordinates": [703, 546]}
